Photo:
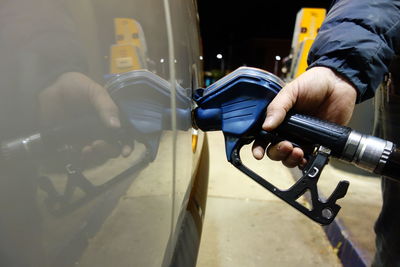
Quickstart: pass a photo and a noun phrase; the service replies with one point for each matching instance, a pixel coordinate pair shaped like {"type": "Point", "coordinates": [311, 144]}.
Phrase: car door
{"type": "Point", "coordinates": [96, 137]}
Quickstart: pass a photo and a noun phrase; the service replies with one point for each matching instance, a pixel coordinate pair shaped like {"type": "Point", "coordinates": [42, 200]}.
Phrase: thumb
{"type": "Point", "coordinates": [104, 105]}
{"type": "Point", "coordinates": [280, 106]}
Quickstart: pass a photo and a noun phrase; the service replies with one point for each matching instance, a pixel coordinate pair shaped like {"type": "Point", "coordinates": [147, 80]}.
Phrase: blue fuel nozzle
{"type": "Point", "coordinates": [237, 104]}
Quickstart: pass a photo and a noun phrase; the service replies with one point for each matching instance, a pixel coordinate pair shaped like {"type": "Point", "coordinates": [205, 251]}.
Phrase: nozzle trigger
{"type": "Point", "coordinates": [323, 212]}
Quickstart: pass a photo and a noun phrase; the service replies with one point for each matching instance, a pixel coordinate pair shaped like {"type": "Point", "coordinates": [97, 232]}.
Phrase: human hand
{"type": "Point", "coordinates": [73, 96]}
{"type": "Point", "coordinates": [318, 92]}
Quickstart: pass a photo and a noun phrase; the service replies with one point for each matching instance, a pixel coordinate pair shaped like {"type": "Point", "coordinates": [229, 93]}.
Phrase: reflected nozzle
{"type": "Point", "coordinates": [143, 99]}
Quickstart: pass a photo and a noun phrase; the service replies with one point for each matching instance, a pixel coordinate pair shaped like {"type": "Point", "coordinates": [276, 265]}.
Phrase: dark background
{"type": "Point", "coordinates": [248, 32]}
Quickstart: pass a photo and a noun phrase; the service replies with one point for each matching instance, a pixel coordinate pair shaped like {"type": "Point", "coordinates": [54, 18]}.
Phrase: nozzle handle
{"type": "Point", "coordinates": [303, 129]}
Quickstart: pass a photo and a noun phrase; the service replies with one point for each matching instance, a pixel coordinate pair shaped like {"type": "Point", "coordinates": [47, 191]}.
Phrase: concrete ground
{"type": "Point", "coordinates": [360, 207]}
{"type": "Point", "coordinates": [245, 225]}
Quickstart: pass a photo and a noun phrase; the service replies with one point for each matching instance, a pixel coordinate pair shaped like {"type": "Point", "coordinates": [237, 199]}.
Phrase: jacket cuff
{"type": "Point", "coordinates": [341, 67]}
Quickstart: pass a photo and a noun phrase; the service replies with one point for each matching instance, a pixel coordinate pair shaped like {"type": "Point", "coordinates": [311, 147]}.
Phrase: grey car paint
{"type": "Point", "coordinates": [80, 184]}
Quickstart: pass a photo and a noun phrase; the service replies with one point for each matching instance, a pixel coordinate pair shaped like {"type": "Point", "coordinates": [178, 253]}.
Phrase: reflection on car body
{"type": "Point", "coordinates": [94, 173]}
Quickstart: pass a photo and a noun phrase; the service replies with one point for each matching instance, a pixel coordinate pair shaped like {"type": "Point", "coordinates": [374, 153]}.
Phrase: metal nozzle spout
{"type": "Point", "coordinates": [367, 152]}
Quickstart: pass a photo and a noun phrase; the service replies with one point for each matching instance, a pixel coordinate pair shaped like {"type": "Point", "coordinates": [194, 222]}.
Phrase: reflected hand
{"type": "Point", "coordinates": [72, 96]}
{"type": "Point", "coordinates": [318, 92]}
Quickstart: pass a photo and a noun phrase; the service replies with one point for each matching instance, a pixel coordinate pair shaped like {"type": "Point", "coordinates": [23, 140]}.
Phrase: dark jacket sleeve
{"type": "Point", "coordinates": [358, 39]}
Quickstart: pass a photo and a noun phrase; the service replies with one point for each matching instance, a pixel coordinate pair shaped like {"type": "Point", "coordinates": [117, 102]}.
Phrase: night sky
{"type": "Point", "coordinates": [241, 30]}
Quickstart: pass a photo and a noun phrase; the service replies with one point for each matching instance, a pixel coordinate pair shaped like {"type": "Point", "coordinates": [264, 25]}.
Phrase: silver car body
{"type": "Point", "coordinates": [99, 162]}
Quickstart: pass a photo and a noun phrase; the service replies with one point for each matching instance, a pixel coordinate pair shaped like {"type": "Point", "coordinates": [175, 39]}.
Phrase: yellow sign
{"type": "Point", "coordinates": [129, 51]}
{"type": "Point", "coordinates": [124, 57]}
{"type": "Point", "coordinates": [308, 22]}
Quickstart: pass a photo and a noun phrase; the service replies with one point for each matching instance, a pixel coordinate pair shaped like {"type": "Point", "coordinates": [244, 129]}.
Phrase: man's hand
{"type": "Point", "coordinates": [75, 95]}
{"type": "Point", "coordinates": [318, 92]}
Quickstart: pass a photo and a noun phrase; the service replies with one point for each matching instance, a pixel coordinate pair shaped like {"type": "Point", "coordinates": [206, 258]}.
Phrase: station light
{"type": "Point", "coordinates": [219, 56]}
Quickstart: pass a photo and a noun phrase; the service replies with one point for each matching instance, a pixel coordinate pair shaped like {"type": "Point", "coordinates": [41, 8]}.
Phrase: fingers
{"type": "Point", "coordinates": [280, 105]}
{"type": "Point", "coordinates": [285, 152]}
{"type": "Point", "coordinates": [74, 95]}
{"type": "Point", "coordinates": [108, 112]}
{"type": "Point", "coordinates": [78, 90]}
{"type": "Point", "coordinates": [99, 151]}
{"type": "Point", "coordinates": [126, 151]}
{"type": "Point", "coordinates": [258, 152]}
{"type": "Point", "coordinates": [258, 148]}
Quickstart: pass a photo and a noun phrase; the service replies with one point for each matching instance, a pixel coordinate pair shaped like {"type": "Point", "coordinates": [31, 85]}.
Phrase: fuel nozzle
{"type": "Point", "coordinates": [237, 104]}
{"type": "Point", "coordinates": [144, 102]}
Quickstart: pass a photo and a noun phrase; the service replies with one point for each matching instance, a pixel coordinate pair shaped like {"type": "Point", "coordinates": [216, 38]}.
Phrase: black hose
{"type": "Point", "coordinates": [392, 166]}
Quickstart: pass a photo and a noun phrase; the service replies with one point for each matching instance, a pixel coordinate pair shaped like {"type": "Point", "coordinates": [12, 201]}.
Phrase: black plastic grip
{"type": "Point", "coordinates": [392, 166]}
{"type": "Point", "coordinates": [303, 129]}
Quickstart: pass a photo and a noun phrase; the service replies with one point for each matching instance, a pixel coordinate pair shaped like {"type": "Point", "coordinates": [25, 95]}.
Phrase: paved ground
{"type": "Point", "coordinates": [246, 225]}
{"type": "Point", "coordinates": [360, 207]}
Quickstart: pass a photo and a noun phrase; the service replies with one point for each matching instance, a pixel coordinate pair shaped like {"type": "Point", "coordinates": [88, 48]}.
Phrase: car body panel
{"type": "Point", "coordinates": [78, 186]}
